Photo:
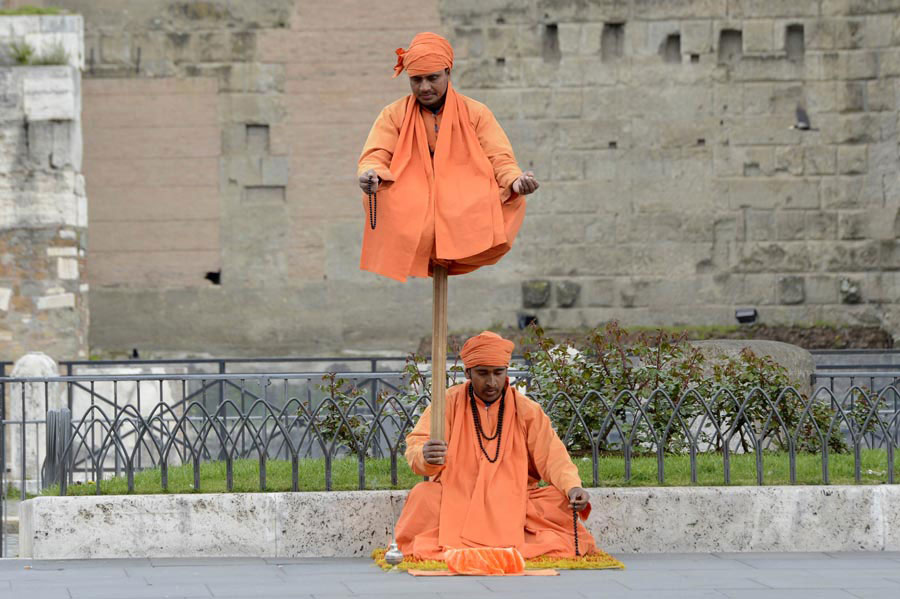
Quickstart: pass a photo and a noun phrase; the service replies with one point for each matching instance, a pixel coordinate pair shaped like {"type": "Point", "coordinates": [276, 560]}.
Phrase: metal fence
{"type": "Point", "coordinates": [70, 429]}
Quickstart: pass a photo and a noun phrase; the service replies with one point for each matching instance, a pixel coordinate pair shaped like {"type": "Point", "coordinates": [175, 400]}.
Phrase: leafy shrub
{"type": "Point", "coordinates": [640, 393]}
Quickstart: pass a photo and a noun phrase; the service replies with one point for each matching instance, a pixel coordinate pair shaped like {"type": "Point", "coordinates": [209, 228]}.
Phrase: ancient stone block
{"type": "Point", "coordinates": [758, 36]}
{"type": "Point", "coordinates": [567, 293]}
{"type": "Point", "coordinates": [115, 48]}
{"type": "Point", "coordinates": [599, 292]}
{"type": "Point", "coordinates": [790, 159]}
{"type": "Point", "coordinates": [821, 225]}
{"type": "Point", "coordinates": [67, 268]}
{"type": "Point", "coordinates": [821, 289]}
{"type": "Point", "coordinates": [773, 193]}
{"type": "Point", "coordinates": [852, 160]}
{"type": "Point", "coordinates": [57, 301]}
{"type": "Point", "coordinates": [760, 225]}
{"type": "Point", "coordinates": [51, 93]}
{"type": "Point", "coordinates": [535, 294]}
{"type": "Point", "coordinates": [5, 296]}
{"type": "Point", "coordinates": [819, 160]}
{"type": "Point", "coordinates": [696, 37]}
{"type": "Point", "coordinates": [791, 290]}
{"type": "Point", "coordinates": [790, 225]}
{"type": "Point", "coordinates": [853, 225]}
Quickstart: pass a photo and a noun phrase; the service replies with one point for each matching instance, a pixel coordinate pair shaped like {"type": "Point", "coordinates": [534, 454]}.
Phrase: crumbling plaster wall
{"type": "Point", "coordinates": [221, 137]}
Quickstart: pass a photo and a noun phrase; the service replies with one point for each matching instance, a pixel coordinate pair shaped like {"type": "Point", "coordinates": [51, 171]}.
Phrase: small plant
{"type": "Point", "coordinates": [55, 55]}
{"type": "Point", "coordinates": [22, 52]}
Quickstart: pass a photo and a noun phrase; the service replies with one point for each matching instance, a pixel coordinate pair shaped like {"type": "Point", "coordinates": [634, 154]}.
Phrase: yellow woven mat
{"type": "Point", "coordinates": [595, 561]}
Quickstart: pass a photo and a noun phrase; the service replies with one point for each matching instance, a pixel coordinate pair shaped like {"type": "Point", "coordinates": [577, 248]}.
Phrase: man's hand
{"type": "Point", "coordinates": [369, 181]}
{"type": "Point", "coordinates": [525, 184]}
{"type": "Point", "coordinates": [435, 452]}
{"type": "Point", "coordinates": [578, 498]}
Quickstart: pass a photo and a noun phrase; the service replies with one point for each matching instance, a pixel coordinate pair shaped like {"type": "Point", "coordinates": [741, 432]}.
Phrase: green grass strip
{"type": "Point", "coordinates": [30, 10]}
{"type": "Point", "coordinates": [710, 471]}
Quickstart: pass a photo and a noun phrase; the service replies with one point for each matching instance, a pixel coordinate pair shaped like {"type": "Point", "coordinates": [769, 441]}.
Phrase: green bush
{"type": "Point", "coordinates": [657, 391]}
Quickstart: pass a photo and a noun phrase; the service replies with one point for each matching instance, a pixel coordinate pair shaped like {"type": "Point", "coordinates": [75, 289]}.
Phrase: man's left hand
{"type": "Point", "coordinates": [578, 498]}
{"type": "Point", "coordinates": [525, 184]}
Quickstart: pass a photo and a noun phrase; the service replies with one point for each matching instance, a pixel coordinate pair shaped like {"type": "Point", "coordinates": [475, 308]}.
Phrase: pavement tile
{"type": "Point", "coordinates": [648, 580]}
{"type": "Point", "coordinates": [768, 555]}
{"type": "Point", "coordinates": [262, 588]}
{"type": "Point", "coordinates": [789, 594]}
{"type": "Point", "coordinates": [597, 581]}
{"type": "Point", "coordinates": [824, 579]}
{"type": "Point", "coordinates": [872, 593]}
{"type": "Point", "coordinates": [406, 584]}
{"type": "Point", "coordinates": [335, 567]}
{"type": "Point", "coordinates": [134, 591]}
{"type": "Point", "coordinates": [218, 573]}
{"type": "Point", "coordinates": [206, 561]}
{"type": "Point", "coordinates": [830, 564]}
{"type": "Point", "coordinates": [37, 591]}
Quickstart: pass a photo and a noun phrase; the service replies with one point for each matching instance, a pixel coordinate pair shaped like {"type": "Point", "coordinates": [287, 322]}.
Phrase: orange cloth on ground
{"type": "Point", "coordinates": [470, 502]}
{"type": "Point", "coordinates": [457, 206]}
{"type": "Point", "coordinates": [484, 561]}
{"type": "Point", "coordinates": [486, 349]}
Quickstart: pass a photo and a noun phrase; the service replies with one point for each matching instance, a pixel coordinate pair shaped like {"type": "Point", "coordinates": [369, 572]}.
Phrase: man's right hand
{"type": "Point", "coordinates": [369, 181]}
{"type": "Point", "coordinates": [435, 452]}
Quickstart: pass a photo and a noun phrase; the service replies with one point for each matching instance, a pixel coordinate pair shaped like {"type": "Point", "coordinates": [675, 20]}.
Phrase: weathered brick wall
{"type": "Point", "coordinates": [43, 219]}
{"type": "Point", "coordinates": [222, 137]}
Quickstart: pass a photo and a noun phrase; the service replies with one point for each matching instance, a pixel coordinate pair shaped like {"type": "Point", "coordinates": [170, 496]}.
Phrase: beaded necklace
{"type": "Point", "coordinates": [479, 431]}
{"type": "Point", "coordinates": [373, 206]}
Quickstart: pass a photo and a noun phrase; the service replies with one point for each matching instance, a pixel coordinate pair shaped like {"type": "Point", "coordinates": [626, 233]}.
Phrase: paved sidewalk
{"type": "Point", "coordinates": [661, 576]}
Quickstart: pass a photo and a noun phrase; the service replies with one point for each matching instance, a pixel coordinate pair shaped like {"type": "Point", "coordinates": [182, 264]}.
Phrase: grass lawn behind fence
{"type": "Point", "coordinates": [611, 473]}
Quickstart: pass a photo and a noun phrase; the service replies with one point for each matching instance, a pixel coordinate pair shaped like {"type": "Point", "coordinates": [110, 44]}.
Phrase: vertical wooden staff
{"type": "Point", "coordinates": [439, 353]}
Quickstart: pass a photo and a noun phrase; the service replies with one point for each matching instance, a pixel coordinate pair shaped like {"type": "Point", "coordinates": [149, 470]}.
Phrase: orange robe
{"type": "Point", "coordinates": [446, 191]}
{"type": "Point", "coordinates": [470, 502]}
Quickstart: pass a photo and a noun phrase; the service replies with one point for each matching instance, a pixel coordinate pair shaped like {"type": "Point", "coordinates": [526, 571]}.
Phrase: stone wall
{"type": "Point", "coordinates": [222, 137]}
{"type": "Point", "coordinates": [804, 518]}
{"type": "Point", "coordinates": [676, 189]}
{"type": "Point", "coordinates": [43, 208]}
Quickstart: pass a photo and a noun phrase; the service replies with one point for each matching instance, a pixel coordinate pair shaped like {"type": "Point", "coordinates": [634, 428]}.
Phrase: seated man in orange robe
{"type": "Point", "coordinates": [483, 488]}
{"type": "Point", "coordinates": [440, 179]}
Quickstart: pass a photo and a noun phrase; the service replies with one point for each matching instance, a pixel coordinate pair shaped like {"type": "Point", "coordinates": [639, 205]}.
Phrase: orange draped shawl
{"type": "Point", "coordinates": [455, 192]}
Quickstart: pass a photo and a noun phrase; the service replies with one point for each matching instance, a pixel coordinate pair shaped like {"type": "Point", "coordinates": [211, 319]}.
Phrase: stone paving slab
{"type": "Point", "coordinates": [663, 576]}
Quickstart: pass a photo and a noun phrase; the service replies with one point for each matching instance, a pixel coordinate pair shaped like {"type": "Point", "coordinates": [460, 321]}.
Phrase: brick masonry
{"type": "Point", "coordinates": [223, 137]}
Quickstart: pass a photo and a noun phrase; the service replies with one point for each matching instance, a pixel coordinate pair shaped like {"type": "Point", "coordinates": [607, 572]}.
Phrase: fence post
{"type": "Point", "coordinates": [27, 404]}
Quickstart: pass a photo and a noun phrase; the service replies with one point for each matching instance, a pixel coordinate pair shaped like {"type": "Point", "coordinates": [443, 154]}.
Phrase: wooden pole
{"type": "Point", "coordinates": [439, 353]}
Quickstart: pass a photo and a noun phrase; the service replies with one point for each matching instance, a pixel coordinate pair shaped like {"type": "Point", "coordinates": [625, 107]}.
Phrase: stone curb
{"type": "Point", "coordinates": [352, 524]}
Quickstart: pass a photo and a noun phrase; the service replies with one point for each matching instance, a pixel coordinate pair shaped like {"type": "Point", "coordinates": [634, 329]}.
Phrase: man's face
{"type": "Point", "coordinates": [429, 89]}
{"type": "Point", "coordinates": [488, 381]}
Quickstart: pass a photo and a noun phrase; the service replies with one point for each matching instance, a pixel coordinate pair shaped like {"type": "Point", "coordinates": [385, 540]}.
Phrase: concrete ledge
{"type": "Point", "coordinates": [351, 524]}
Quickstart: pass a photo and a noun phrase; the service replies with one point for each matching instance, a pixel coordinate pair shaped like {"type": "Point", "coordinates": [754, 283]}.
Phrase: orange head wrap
{"type": "Point", "coordinates": [427, 53]}
{"type": "Point", "coordinates": [487, 349]}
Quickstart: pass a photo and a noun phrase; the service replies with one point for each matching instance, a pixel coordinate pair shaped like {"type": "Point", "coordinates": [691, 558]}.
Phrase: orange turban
{"type": "Point", "coordinates": [427, 53]}
{"type": "Point", "coordinates": [486, 349]}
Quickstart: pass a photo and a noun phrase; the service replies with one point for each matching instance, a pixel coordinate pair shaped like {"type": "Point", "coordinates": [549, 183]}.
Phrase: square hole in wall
{"type": "Point", "coordinates": [671, 49]}
{"type": "Point", "coordinates": [612, 42]}
{"type": "Point", "coordinates": [794, 42]}
{"type": "Point", "coordinates": [550, 43]}
{"type": "Point", "coordinates": [731, 46]}
{"type": "Point", "coordinates": [257, 138]}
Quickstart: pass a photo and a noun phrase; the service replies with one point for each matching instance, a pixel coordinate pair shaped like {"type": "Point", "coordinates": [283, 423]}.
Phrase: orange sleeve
{"type": "Point", "coordinates": [415, 441]}
{"type": "Point", "coordinates": [547, 450]}
{"type": "Point", "coordinates": [499, 151]}
{"type": "Point", "coordinates": [382, 140]}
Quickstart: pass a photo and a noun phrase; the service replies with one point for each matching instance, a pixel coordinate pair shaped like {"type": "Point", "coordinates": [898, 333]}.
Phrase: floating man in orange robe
{"type": "Point", "coordinates": [440, 179]}
{"type": "Point", "coordinates": [483, 482]}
